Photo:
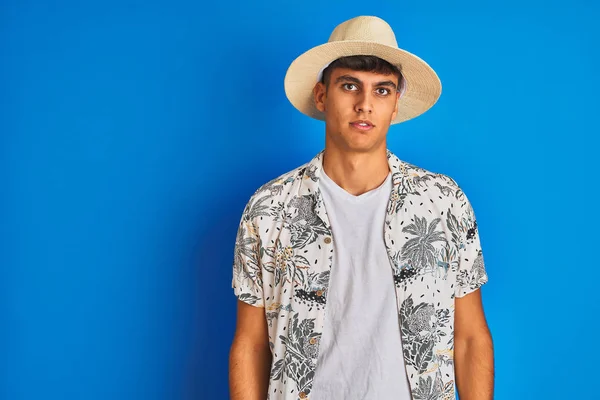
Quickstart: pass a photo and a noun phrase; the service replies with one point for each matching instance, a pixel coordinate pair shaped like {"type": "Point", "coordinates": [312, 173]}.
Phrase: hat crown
{"type": "Point", "coordinates": [363, 36]}
{"type": "Point", "coordinates": [366, 29]}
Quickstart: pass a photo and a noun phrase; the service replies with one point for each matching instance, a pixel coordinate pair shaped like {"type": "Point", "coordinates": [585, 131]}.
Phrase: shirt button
{"type": "Point", "coordinates": [327, 240]}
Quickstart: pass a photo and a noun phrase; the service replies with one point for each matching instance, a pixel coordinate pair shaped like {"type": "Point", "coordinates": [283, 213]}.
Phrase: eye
{"type": "Point", "coordinates": [383, 91]}
{"type": "Point", "coordinates": [350, 86]}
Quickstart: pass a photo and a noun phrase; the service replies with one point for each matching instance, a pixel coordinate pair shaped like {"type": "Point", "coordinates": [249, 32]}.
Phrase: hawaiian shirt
{"type": "Point", "coordinates": [283, 257]}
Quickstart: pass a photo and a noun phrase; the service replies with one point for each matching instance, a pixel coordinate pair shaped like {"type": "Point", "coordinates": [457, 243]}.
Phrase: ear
{"type": "Point", "coordinates": [320, 94]}
{"type": "Point", "coordinates": [396, 106]}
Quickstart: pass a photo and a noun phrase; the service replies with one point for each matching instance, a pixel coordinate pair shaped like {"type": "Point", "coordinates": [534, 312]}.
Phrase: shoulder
{"type": "Point", "coordinates": [279, 188]}
{"type": "Point", "coordinates": [418, 175]}
{"type": "Point", "coordinates": [441, 189]}
{"type": "Point", "coordinates": [425, 177]}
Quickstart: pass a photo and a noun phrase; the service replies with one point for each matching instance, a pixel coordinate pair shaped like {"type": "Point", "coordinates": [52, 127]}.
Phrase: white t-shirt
{"type": "Point", "coordinates": [360, 355]}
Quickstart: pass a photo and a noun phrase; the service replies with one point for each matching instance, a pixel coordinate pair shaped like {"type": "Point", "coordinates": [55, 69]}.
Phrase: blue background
{"type": "Point", "coordinates": [133, 133]}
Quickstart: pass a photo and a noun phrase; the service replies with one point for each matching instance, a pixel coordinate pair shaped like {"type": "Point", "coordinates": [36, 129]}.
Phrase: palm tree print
{"type": "Point", "coordinates": [246, 254]}
{"type": "Point", "coordinates": [257, 209]}
{"type": "Point", "coordinates": [419, 249]}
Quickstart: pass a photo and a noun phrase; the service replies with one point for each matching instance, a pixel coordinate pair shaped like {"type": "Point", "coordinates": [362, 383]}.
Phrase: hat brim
{"type": "Point", "coordinates": [423, 87]}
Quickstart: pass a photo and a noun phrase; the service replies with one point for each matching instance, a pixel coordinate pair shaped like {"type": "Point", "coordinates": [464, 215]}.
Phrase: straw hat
{"type": "Point", "coordinates": [363, 35]}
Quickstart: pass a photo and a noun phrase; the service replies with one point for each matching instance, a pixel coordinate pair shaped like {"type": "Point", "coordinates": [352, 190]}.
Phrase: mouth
{"type": "Point", "coordinates": [363, 125]}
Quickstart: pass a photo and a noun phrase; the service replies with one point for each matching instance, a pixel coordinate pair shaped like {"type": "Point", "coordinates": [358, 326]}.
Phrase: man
{"type": "Point", "coordinates": [357, 274]}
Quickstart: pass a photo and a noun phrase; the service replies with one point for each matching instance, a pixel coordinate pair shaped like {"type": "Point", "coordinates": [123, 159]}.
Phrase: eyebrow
{"type": "Point", "coordinates": [349, 78]}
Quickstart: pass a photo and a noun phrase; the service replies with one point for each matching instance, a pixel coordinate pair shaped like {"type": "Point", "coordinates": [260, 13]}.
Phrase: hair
{"type": "Point", "coordinates": [362, 63]}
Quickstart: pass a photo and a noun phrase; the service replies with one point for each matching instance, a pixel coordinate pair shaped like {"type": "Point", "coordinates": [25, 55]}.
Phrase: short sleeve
{"type": "Point", "coordinates": [247, 274]}
{"type": "Point", "coordinates": [471, 274]}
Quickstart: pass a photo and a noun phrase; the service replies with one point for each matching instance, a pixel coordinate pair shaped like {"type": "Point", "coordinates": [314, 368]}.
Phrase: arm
{"type": "Point", "coordinates": [250, 355]}
{"type": "Point", "coordinates": [473, 349]}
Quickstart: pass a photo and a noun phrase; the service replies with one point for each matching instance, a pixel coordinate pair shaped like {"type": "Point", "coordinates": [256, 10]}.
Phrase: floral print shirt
{"type": "Point", "coordinates": [283, 257]}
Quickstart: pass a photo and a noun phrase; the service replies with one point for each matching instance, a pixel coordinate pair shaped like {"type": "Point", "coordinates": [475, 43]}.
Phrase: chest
{"type": "Point", "coordinates": [413, 238]}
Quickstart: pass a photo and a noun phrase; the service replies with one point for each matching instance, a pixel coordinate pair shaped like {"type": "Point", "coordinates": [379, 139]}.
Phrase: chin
{"type": "Point", "coordinates": [356, 141]}
{"type": "Point", "coordinates": [362, 141]}
{"type": "Point", "coordinates": [361, 147]}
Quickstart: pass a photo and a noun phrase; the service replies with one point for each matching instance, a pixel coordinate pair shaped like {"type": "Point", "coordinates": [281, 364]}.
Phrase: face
{"type": "Point", "coordinates": [359, 107]}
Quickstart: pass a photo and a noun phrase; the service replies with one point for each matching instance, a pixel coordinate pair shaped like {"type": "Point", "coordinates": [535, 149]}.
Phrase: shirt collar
{"type": "Point", "coordinates": [311, 174]}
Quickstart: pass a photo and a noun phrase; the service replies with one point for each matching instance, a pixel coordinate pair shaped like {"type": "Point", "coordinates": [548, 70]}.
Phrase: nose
{"type": "Point", "coordinates": [364, 103]}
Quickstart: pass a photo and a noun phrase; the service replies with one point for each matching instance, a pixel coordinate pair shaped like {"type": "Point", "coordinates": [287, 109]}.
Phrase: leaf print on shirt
{"type": "Point", "coordinates": [257, 209]}
{"type": "Point", "coordinates": [473, 277]}
{"type": "Point", "coordinates": [278, 212]}
{"type": "Point", "coordinates": [246, 254]}
{"type": "Point", "coordinates": [301, 352]}
{"type": "Point", "coordinates": [465, 234]}
{"type": "Point", "coordinates": [248, 298]}
{"type": "Point", "coordinates": [416, 327]}
{"type": "Point", "coordinates": [285, 264]}
{"type": "Point", "coordinates": [463, 228]}
{"type": "Point", "coordinates": [478, 270]}
{"type": "Point", "coordinates": [419, 249]}
{"type": "Point", "coordinates": [454, 226]}
{"type": "Point", "coordinates": [423, 325]}
{"type": "Point", "coordinates": [419, 355]}
{"type": "Point", "coordinates": [430, 389]}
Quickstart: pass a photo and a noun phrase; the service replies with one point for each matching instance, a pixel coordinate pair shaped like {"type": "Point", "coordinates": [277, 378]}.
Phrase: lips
{"type": "Point", "coordinates": [363, 125]}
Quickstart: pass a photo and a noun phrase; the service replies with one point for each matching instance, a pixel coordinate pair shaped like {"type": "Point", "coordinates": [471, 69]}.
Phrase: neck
{"type": "Point", "coordinates": [356, 173]}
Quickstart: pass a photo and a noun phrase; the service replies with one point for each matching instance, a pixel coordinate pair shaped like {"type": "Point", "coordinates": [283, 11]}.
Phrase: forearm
{"type": "Point", "coordinates": [249, 369]}
{"type": "Point", "coordinates": [474, 368]}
